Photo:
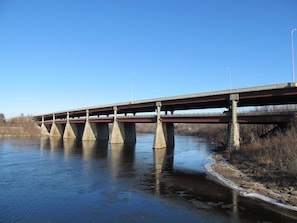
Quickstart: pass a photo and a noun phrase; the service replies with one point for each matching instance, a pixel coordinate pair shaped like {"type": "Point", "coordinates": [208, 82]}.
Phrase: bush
{"type": "Point", "coordinates": [276, 153]}
{"type": "Point", "coordinates": [23, 126]}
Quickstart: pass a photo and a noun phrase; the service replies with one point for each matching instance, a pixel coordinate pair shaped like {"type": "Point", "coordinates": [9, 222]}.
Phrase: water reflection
{"type": "Point", "coordinates": [55, 144]}
{"type": "Point", "coordinates": [44, 142]}
{"type": "Point", "coordinates": [122, 158]}
{"type": "Point", "coordinates": [161, 172]}
{"type": "Point", "coordinates": [159, 157]}
{"type": "Point", "coordinates": [95, 149]}
{"type": "Point", "coordinates": [163, 161]}
{"type": "Point", "coordinates": [71, 147]}
{"type": "Point", "coordinates": [235, 205]}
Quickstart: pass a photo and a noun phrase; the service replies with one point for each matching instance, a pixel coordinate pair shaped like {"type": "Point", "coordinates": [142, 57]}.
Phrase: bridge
{"type": "Point", "coordinates": [91, 123]}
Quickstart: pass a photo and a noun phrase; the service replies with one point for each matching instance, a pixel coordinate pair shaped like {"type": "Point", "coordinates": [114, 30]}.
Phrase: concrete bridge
{"type": "Point", "coordinates": [92, 123]}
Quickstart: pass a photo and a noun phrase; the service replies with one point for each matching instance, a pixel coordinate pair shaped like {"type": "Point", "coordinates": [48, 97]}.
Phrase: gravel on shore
{"type": "Point", "coordinates": [219, 170]}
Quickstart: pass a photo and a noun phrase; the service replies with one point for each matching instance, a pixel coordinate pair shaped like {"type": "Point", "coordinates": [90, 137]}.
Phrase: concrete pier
{"type": "Point", "coordinates": [233, 127]}
{"type": "Point", "coordinates": [168, 129]}
{"type": "Point", "coordinates": [89, 132]}
{"type": "Point", "coordinates": [122, 132]}
{"type": "Point", "coordinates": [164, 135]}
{"type": "Point", "coordinates": [57, 130]}
{"type": "Point", "coordinates": [44, 130]}
{"type": "Point", "coordinates": [95, 131]}
{"type": "Point", "coordinates": [70, 131]}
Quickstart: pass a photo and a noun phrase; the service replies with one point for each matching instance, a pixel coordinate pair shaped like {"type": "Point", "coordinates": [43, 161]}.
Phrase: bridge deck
{"type": "Point", "coordinates": [255, 96]}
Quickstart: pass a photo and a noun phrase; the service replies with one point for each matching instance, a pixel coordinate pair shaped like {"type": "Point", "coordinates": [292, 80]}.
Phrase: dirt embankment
{"type": "Point", "coordinates": [244, 181]}
{"type": "Point", "coordinates": [21, 127]}
{"type": "Point", "coordinates": [266, 163]}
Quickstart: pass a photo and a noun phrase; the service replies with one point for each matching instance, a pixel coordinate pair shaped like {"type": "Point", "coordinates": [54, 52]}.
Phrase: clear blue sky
{"type": "Point", "coordinates": [58, 55]}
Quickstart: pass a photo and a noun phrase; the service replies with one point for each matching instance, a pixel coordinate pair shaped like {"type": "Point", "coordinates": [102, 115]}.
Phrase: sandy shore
{"type": "Point", "coordinates": [221, 171]}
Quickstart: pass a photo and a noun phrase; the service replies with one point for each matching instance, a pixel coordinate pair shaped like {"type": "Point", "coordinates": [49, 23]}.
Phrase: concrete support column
{"type": "Point", "coordinates": [164, 134]}
{"type": "Point", "coordinates": [95, 131]}
{"type": "Point", "coordinates": [89, 133]}
{"type": "Point", "coordinates": [44, 131]}
{"type": "Point", "coordinates": [70, 131]}
{"type": "Point", "coordinates": [159, 140]}
{"type": "Point", "coordinates": [233, 127]}
{"type": "Point", "coordinates": [56, 131]}
{"type": "Point", "coordinates": [122, 132]}
{"type": "Point", "coordinates": [117, 135]}
{"type": "Point", "coordinates": [168, 129]}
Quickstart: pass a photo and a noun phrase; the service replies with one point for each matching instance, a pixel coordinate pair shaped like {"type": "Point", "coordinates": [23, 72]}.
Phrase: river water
{"type": "Point", "coordinates": [47, 180]}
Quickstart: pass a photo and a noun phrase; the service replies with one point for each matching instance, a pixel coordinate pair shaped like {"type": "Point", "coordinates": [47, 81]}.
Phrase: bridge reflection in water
{"type": "Point", "coordinates": [157, 172]}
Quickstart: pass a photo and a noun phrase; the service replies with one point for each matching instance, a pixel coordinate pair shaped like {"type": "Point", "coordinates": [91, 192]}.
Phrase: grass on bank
{"type": "Point", "coordinates": [277, 151]}
{"type": "Point", "coordinates": [19, 127]}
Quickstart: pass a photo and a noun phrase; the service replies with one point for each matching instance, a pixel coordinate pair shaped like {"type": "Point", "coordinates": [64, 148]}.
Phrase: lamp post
{"type": "Point", "coordinates": [132, 86]}
{"type": "Point", "coordinates": [292, 39]}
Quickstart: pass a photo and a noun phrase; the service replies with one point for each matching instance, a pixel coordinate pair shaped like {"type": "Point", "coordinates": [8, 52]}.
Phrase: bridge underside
{"type": "Point", "coordinates": [124, 131]}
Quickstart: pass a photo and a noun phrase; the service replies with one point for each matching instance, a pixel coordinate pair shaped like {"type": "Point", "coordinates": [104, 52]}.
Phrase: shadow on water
{"type": "Point", "coordinates": [94, 150]}
{"type": "Point", "coordinates": [70, 147]}
{"type": "Point", "coordinates": [122, 158]}
{"type": "Point", "coordinates": [158, 176]}
{"type": "Point", "coordinates": [197, 191]}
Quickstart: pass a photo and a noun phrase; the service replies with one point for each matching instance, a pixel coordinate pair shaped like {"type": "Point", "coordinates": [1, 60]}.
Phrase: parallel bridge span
{"type": "Point", "coordinates": [242, 118]}
{"type": "Point", "coordinates": [92, 123]}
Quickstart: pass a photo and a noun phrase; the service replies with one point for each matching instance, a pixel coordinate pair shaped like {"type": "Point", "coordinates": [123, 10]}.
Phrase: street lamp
{"type": "Point", "coordinates": [292, 39]}
{"type": "Point", "coordinates": [132, 86]}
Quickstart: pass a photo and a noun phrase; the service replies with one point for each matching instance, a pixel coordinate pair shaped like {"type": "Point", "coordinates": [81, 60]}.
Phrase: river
{"type": "Point", "coordinates": [47, 180]}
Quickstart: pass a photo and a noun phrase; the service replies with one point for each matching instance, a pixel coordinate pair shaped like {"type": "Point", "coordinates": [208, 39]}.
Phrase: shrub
{"type": "Point", "coordinates": [276, 153]}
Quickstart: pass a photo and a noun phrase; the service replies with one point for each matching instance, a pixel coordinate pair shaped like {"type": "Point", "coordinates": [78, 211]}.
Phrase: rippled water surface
{"type": "Point", "coordinates": [47, 180]}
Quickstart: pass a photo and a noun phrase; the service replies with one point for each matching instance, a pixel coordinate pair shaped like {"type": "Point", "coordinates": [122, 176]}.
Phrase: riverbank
{"type": "Point", "coordinates": [223, 172]}
{"type": "Point", "coordinates": [21, 127]}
